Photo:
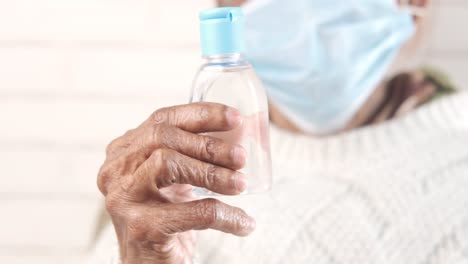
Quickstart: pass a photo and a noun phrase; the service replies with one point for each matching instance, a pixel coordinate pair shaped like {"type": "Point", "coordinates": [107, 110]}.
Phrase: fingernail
{"type": "Point", "coordinates": [241, 182]}
{"type": "Point", "coordinates": [233, 117]}
{"type": "Point", "coordinates": [238, 156]}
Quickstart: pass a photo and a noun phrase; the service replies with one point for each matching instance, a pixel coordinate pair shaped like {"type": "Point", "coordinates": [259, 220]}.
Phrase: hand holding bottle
{"type": "Point", "coordinates": [144, 177]}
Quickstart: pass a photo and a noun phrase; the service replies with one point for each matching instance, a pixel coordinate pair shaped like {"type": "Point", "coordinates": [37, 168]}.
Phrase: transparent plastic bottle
{"type": "Point", "coordinates": [226, 77]}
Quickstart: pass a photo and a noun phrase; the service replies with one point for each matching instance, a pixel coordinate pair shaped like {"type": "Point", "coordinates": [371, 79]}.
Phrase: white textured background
{"type": "Point", "coordinates": [76, 73]}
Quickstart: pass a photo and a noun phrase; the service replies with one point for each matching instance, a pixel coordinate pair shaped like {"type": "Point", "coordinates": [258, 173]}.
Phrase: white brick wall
{"type": "Point", "coordinates": [74, 74]}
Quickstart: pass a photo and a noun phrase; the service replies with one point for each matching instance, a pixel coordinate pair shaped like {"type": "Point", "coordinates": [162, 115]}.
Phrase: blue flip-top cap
{"type": "Point", "coordinates": [222, 31]}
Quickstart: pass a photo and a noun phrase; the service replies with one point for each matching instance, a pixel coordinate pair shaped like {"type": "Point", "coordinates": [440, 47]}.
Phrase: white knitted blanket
{"type": "Point", "coordinates": [392, 193]}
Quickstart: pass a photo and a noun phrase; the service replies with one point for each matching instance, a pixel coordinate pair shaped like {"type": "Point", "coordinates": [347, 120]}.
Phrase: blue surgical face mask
{"type": "Point", "coordinates": [320, 59]}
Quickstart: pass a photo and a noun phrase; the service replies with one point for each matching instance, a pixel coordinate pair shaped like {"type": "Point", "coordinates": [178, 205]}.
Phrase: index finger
{"type": "Point", "coordinates": [198, 117]}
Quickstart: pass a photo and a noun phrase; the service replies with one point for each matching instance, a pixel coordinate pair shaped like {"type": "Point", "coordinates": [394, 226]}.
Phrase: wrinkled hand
{"type": "Point", "coordinates": [147, 175]}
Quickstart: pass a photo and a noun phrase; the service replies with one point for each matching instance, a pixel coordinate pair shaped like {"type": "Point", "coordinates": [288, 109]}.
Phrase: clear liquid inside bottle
{"type": "Point", "coordinates": [228, 79]}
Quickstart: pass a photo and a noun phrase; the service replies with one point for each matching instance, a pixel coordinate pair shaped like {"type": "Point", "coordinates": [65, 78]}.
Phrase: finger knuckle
{"type": "Point", "coordinates": [161, 167]}
{"type": "Point", "coordinates": [160, 115]}
{"type": "Point", "coordinates": [211, 176]}
{"type": "Point", "coordinates": [111, 170]}
{"type": "Point", "coordinates": [162, 134]}
{"type": "Point", "coordinates": [120, 142]}
{"type": "Point", "coordinates": [156, 134]}
{"type": "Point", "coordinates": [103, 179]}
{"type": "Point", "coordinates": [210, 147]}
{"type": "Point", "coordinates": [208, 211]}
{"type": "Point", "coordinates": [112, 146]}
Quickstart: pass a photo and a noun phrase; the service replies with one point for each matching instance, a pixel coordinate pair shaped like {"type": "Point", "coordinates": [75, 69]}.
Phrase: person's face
{"type": "Point", "coordinates": [416, 7]}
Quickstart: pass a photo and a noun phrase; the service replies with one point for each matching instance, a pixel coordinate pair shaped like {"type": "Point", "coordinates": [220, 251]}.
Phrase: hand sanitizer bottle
{"type": "Point", "coordinates": [226, 77]}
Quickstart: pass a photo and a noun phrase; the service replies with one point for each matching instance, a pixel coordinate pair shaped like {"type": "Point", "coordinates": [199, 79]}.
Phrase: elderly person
{"type": "Point", "coordinates": [388, 185]}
